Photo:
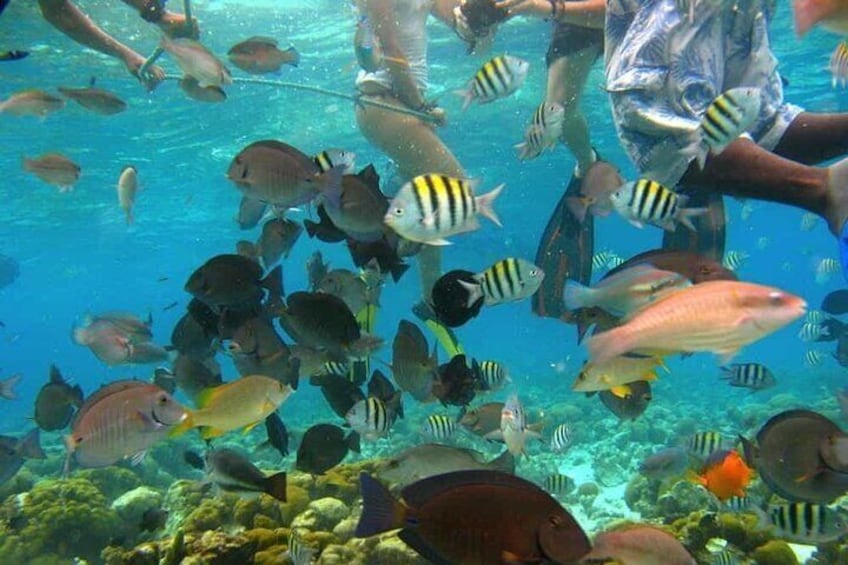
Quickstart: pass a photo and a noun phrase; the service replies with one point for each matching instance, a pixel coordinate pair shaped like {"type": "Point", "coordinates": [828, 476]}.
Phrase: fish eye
{"type": "Point", "coordinates": [162, 400]}
{"type": "Point", "coordinates": [398, 211]}
{"type": "Point", "coordinates": [704, 269]}
{"type": "Point", "coordinates": [775, 298]}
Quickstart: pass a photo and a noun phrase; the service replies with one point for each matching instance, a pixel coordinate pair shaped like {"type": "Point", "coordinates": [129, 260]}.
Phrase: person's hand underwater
{"type": "Point", "coordinates": [174, 25]}
{"type": "Point", "coordinates": [540, 8]}
{"type": "Point", "coordinates": [152, 76]}
{"type": "Point", "coordinates": [480, 42]}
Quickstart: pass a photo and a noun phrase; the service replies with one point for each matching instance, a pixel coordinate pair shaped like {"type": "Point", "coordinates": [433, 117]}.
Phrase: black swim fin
{"type": "Point", "coordinates": [709, 237]}
{"type": "Point", "coordinates": [13, 55]}
{"type": "Point", "coordinates": [565, 252]}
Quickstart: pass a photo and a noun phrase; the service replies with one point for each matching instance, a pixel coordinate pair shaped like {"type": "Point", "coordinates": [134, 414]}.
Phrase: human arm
{"type": "Point", "coordinates": [171, 23]}
{"type": "Point", "coordinates": [70, 20]}
{"type": "Point", "coordinates": [382, 15]}
{"type": "Point", "coordinates": [586, 13]}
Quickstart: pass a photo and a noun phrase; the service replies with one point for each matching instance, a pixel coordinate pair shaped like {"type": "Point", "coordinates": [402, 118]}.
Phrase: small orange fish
{"type": "Point", "coordinates": [725, 474]}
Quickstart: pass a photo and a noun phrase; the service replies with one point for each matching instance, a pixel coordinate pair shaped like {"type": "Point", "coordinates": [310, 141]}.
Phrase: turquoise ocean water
{"type": "Point", "coordinates": [78, 255]}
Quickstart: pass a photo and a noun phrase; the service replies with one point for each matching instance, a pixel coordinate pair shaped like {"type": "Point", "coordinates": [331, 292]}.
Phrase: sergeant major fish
{"type": "Point", "coordinates": [507, 280]}
{"type": "Point", "coordinates": [647, 201]}
{"type": "Point", "coordinates": [431, 207]}
{"type": "Point", "coordinates": [728, 116]}
{"type": "Point", "coordinates": [543, 132]}
{"type": "Point", "coordinates": [497, 78]}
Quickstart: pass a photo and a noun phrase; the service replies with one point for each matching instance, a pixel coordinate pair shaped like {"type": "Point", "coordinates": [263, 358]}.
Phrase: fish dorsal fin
{"type": "Point", "coordinates": [262, 39]}
{"type": "Point", "coordinates": [369, 176]}
{"type": "Point", "coordinates": [56, 375]}
{"type": "Point", "coordinates": [107, 390]}
{"type": "Point", "coordinates": [417, 494]}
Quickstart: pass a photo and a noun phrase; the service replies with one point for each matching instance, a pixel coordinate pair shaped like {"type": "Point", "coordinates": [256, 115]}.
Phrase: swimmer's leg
{"type": "Point", "coordinates": [566, 81]}
{"type": "Point", "coordinates": [813, 138]}
{"type": "Point", "coordinates": [415, 147]}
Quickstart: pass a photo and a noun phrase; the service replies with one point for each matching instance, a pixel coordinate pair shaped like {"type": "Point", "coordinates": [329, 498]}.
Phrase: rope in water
{"type": "Point", "coordinates": [353, 98]}
{"type": "Point", "coordinates": [143, 72]}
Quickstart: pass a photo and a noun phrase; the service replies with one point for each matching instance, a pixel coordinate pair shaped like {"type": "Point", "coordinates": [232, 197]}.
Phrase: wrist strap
{"type": "Point", "coordinates": [153, 11]}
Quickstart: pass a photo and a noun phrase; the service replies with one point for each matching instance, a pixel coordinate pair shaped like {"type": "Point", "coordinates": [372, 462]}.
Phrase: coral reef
{"type": "Point", "coordinates": [58, 519]}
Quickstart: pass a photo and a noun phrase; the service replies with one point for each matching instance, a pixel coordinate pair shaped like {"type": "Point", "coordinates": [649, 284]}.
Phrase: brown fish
{"type": "Point", "coordinates": [31, 102]}
{"type": "Point", "coordinates": [260, 55]}
{"type": "Point", "coordinates": [250, 213]}
{"type": "Point", "coordinates": [277, 239]}
{"type": "Point", "coordinates": [277, 173]}
{"type": "Point", "coordinates": [127, 188]}
{"type": "Point", "coordinates": [361, 206]}
{"type": "Point", "coordinates": [629, 401]}
{"type": "Point", "coordinates": [56, 402]}
{"type": "Point", "coordinates": [194, 375]}
{"type": "Point", "coordinates": [97, 100]}
{"type": "Point", "coordinates": [484, 419]}
{"type": "Point", "coordinates": [474, 517]}
{"type": "Point", "coordinates": [197, 61]}
{"type": "Point", "coordinates": [640, 545]}
{"type": "Point", "coordinates": [350, 287]}
{"type": "Point", "coordinates": [323, 447]}
{"type": "Point", "coordinates": [122, 420]}
{"type": "Point", "coordinates": [247, 249]}
{"type": "Point", "coordinates": [211, 94]}
{"type": "Point", "coordinates": [55, 169]}
{"type": "Point", "coordinates": [599, 182]}
{"type": "Point", "coordinates": [105, 340]}
{"type": "Point", "coordinates": [794, 454]}
{"type": "Point", "coordinates": [430, 459]}
{"type": "Point", "coordinates": [230, 280]}
{"type": "Point", "coordinates": [13, 452]}
{"type": "Point", "coordinates": [415, 370]}
{"type": "Point", "coordinates": [233, 472]}
{"type": "Point", "coordinates": [322, 320]}
{"type": "Point", "coordinates": [257, 349]}
{"type": "Point", "coordinates": [316, 268]}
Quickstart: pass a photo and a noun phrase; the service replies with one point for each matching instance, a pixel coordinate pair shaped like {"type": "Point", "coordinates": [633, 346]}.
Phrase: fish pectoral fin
{"type": "Point", "coordinates": [249, 427]}
{"type": "Point", "coordinates": [495, 435]}
{"type": "Point", "coordinates": [726, 355]}
{"type": "Point", "coordinates": [137, 458]}
{"type": "Point", "coordinates": [208, 432]}
{"type": "Point", "coordinates": [440, 242]}
{"type": "Point", "coordinates": [510, 558]}
{"type": "Point", "coordinates": [428, 220]}
{"type": "Point", "coordinates": [807, 476]}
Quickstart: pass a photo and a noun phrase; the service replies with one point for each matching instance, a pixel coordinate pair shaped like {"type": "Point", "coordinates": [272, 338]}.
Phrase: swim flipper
{"type": "Point", "coordinates": [565, 252]}
{"type": "Point", "coordinates": [709, 237]}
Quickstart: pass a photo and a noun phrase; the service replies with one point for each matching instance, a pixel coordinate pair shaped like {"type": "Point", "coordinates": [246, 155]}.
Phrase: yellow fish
{"type": "Point", "coordinates": [242, 403]}
{"type": "Point", "coordinates": [616, 372]}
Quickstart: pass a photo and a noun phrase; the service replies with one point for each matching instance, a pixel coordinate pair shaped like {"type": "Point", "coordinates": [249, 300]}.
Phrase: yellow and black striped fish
{"type": "Point", "coordinates": [298, 551]}
{"type": "Point", "coordinates": [704, 444]}
{"type": "Point", "coordinates": [559, 484]}
{"type": "Point", "coordinates": [561, 440]}
{"type": "Point", "coordinates": [543, 131]}
{"type": "Point", "coordinates": [490, 375]}
{"type": "Point", "coordinates": [370, 417]}
{"type": "Point", "coordinates": [729, 115]}
{"type": "Point", "coordinates": [439, 427]}
{"type": "Point", "coordinates": [647, 201]}
{"type": "Point", "coordinates": [807, 523]}
{"type": "Point", "coordinates": [749, 375]}
{"type": "Point", "coordinates": [330, 158]}
{"type": "Point", "coordinates": [507, 280]}
{"type": "Point", "coordinates": [497, 78]}
{"type": "Point", "coordinates": [431, 207]}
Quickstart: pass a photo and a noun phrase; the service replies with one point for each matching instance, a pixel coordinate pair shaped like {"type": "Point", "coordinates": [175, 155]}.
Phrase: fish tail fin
{"type": "Point", "coordinates": [381, 512]}
{"type": "Point", "coordinates": [607, 345]}
{"type": "Point", "coordinates": [130, 218]}
{"type": "Point", "coordinates": [273, 282]}
{"type": "Point", "coordinates": [504, 462]}
{"type": "Point", "coordinates": [7, 387]}
{"type": "Point", "coordinates": [275, 485]}
{"type": "Point", "coordinates": [485, 204]}
{"type": "Point", "coordinates": [576, 295]}
{"type": "Point", "coordinates": [182, 427]}
{"type": "Point", "coordinates": [30, 446]}
{"type": "Point", "coordinates": [524, 150]}
{"type": "Point", "coordinates": [467, 95]}
{"type": "Point", "coordinates": [475, 292]}
{"type": "Point", "coordinates": [295, 55]}
{"type": "Point", "coordinates": [352, 442]}
{"type": "Point", "coordinates": [330, 185]}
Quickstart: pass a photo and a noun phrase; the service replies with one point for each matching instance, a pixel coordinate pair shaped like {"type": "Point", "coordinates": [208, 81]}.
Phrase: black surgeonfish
{"type": "Point", "coordinates": [802, 456]}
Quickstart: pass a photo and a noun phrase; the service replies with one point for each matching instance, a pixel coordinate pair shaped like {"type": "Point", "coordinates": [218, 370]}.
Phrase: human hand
{"type": "Point", "coordinates": [438, 116]}
{"type": "Point", "coordinates": [174, 25]}
{"type": "Point", "coordinates": [539, 8]}
{"type": "Point", "coordinates": [479, 42]}
{"type": "Point", "coordinates": [153, 75]}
